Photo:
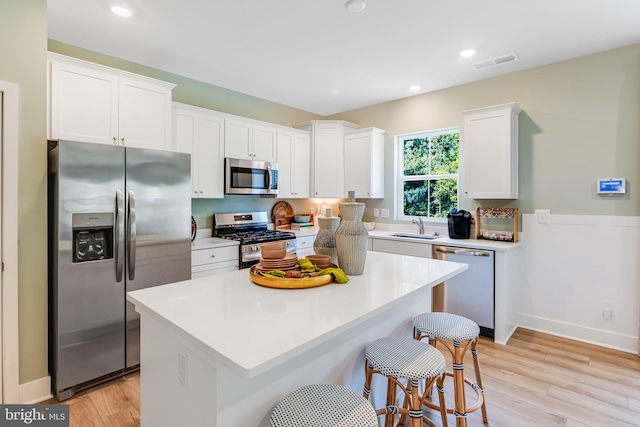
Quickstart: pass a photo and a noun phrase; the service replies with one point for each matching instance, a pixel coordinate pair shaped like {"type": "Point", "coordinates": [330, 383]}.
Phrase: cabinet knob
{"type": "Point", "coordinates": [115, 140]}
{"type": "Point", "coordinates": [213, 256]}
{"type": "Point", "coordinates": [201, 191]}
{"type": "Point", "coordinates": [122, 140]}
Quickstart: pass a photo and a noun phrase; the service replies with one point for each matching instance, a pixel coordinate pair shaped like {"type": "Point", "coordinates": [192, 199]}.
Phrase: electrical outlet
{"type": "Point", "coordinates": [384, 213]}
{"type": "Point", "coordinates": [607, 310]}
{"type": "Point", "coordinates": [183, 362]}
{"type": "Point", "coordinates": [543, 216]}
{"type": "Point", "coordinates": [376, 212]}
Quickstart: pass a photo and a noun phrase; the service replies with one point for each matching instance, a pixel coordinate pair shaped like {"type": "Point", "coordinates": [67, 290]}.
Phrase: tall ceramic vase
{"type": "Point", "coordinates": [325, 242]}
{"type": "Point", "coordinates": [351, 237]}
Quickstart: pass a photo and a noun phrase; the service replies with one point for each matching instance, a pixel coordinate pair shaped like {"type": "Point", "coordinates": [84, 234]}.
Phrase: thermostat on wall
{"type": "Point", "coordinates": [611, 186]}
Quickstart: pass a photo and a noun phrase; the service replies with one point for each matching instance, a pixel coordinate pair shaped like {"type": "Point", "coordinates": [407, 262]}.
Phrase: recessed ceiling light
{"type": "Point", "coordinates": [121, 11]}
{"type": "Point", "coordinates": [334, 92]}
{"type": "Point", "coordinates": [414, 88]}
{"type": "Point", "coordinates": [355, 5]}
{"type": "Point", "coordinates": [467, 53]}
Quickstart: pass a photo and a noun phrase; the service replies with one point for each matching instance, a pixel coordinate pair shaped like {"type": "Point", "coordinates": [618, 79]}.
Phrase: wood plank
{"type": "Point", "coordinates": [535, 380]}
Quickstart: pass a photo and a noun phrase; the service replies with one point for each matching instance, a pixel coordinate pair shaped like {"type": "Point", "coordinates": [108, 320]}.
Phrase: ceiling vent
{"type": "Point", "coordinates": [495, 61]}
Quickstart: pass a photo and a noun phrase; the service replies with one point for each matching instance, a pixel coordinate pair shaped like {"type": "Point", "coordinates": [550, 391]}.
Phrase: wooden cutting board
{"type": "Point", "coordinates": [282, 215]}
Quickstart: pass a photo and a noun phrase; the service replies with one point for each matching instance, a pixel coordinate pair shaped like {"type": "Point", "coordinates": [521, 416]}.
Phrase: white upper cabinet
{"type": "Point", "coordinates": [200, 132]}
{"type": "Point", "coordinates": [294, 162]}
{"type": "Point", "coordinates": [490, 152]}
{"type": "Point", "coordinates": [364, 163]}
{"type": "Point", "coordinates": [247, 140]}
{"type": "Point", "coordinates": [327, 151]}
{"type": "Point", "coordinates": [93, 103]}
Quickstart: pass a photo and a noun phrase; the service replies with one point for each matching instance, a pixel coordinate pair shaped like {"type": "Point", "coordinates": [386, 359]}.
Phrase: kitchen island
{"type": "Point", "coordinates": [221, 351]}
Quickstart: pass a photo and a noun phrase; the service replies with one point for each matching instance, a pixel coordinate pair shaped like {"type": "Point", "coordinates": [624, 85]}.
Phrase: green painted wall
{"type": "Point", "coordinates": [580, 122]}
{"type": "Point", "coordinates": [23, 49]}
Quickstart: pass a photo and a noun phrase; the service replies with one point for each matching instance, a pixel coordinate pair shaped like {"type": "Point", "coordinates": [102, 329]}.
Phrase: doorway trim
{"type": "Point", "coordinates": [9, 356]}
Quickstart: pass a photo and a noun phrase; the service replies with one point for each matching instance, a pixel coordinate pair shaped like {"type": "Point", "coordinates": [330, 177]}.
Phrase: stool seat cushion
{"type": "Point", "coordinates": [404, 357]}
{"type": "Point", "coordinates": [446, 326]}
{"type": "Point", "coordinates": [323, 405]}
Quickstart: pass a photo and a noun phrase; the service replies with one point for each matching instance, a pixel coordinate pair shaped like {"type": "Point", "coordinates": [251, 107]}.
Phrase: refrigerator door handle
{"type": "Point", "coordinates": [131, 235]}
{"type": "Point", "coordinates": [119, 252]}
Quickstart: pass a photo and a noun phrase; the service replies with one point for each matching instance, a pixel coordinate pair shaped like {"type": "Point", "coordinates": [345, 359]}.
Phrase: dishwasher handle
{"type": "Point", "coordinates": [459, 251]}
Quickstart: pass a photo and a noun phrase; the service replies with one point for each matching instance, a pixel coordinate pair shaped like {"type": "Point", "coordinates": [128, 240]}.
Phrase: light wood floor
{"type": "Point", "coordinates": [536, 380]}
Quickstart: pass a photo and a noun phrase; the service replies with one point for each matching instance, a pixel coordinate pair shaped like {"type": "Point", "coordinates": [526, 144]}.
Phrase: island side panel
{"type": "Point", "coordinates": [217, 396]}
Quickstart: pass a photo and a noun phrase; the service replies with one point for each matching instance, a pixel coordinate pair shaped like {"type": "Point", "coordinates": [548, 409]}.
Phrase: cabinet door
{"type": "Point", "coordinates": [210, 157]}
{"type": "Point", "coordinates": [144, 115]}
{"type": "Point", "coordinates": [357, 155]}
{"type": "Point", "coordinates": [238, 137]}
{"type": "Point", "coordinates": [328, 163]}
{"type": "Point", "coordinates": [285, 164]}
{"type": "Point", "coordinates": [300, 165]}
{"type": "Point", "coordinates": [264, 143]}
{"type": "Point", "coordinates": [185, 139]}
{"type": "Point", "coordinates": [84, 104]}
{"type": "Point", "coordinates": [490, 152]}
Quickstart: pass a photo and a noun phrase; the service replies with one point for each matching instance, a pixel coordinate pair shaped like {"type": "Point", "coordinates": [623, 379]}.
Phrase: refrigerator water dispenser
{"type": "Point", "coordinates": [92, 236]}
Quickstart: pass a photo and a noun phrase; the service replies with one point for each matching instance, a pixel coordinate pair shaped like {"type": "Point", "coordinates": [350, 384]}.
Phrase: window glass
{"type": "Point", "coordinates": [428, 178]}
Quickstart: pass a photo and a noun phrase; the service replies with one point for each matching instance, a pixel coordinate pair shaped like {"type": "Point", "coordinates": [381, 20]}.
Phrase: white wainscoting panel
{"type": "Point", "coordinates": [573, 264]}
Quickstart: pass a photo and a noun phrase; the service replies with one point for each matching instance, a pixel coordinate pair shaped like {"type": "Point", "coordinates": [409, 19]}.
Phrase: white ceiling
{"type": "Point", "coordinates": [295, 52]}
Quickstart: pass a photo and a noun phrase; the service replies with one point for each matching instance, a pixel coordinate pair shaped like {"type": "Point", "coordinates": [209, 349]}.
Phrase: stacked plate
{"type": "Point", "coordinates": [289, 262]}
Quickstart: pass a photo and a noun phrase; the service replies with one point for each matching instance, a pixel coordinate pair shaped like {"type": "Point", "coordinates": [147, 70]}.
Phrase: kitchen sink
{"type": "Point", "coordinates": [416, 236]}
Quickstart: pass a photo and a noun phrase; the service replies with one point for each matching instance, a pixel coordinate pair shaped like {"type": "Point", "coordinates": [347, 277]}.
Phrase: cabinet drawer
{"type": "Point", "coordinates": [211, 269]}
{"type": "Point", "coordinates": [305, 241]}
{"type": "Point", "coordinates": [212, 255]}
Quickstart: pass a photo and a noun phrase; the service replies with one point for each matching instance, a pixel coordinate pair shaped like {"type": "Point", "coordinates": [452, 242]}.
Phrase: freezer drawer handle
{"type": "Point", "coordinates": [461, 251]}
{"type": "Point", "coordinates": [131, 234]}
{"type": "Point", "coordinates": [119, 253]}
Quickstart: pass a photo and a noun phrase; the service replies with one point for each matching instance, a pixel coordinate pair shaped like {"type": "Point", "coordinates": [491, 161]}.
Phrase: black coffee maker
{"type": "Point", "coordinates": [459, 224]}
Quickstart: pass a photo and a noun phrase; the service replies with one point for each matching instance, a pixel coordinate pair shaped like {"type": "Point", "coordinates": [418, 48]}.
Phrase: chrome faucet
{"type": "Point", "coordinates": [418, 221]}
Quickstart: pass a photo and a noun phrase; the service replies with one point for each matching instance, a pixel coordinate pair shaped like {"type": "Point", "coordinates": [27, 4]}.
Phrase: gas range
{"type": "Point", "coordinates": [250, 229]}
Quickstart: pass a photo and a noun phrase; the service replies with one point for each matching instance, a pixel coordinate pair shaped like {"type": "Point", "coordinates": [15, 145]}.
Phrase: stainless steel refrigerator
{"type": "Point", "coordinates": [119, 220]}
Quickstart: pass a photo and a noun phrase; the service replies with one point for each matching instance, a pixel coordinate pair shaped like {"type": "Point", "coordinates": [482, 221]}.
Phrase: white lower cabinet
{"type": "Point", "coordinates": [304, 245]}
{"type": "Point", "coordinates": [422, 250]}
{"type": "Point", "coordinates": [206, 262]}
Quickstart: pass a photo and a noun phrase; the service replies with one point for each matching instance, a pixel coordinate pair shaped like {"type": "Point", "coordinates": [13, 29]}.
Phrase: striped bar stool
{"type": "Point", "coordinates": [463, 334]}
{"type": "Point", "coordinates": [403, 357]}
{"type": "Point", "coordinates": [323, 405]}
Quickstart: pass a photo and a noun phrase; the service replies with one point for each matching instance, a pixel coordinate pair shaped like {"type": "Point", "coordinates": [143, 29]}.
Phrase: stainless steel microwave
{"type": "Point", "coordinates": [250, 177]}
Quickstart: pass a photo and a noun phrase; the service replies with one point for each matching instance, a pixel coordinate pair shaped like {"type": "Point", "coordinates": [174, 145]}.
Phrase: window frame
{"type": "Point", "coordinates": [400, 178]}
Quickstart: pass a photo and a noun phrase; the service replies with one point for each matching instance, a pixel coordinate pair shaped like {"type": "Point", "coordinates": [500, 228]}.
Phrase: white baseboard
{"type": "Point", "coordinates": [35, 391]}
{"type": "Point", "coordinates": [626, 343]}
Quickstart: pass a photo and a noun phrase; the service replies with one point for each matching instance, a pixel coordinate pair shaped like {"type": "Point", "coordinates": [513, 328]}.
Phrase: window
{"type": "Point", "coordinates": [427, 173]}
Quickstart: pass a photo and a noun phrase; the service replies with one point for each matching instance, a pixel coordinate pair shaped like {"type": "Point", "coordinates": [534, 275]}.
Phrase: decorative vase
{"type": "Point", "coordinates": [352, 237]}
{"type": "Point", "coordinates": [325, 242]}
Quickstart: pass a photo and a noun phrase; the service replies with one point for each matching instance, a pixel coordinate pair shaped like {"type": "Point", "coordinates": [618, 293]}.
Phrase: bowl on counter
{"type": "Point", "coordinates": [320, 260]}
{"type": "Point", "coordinates": [301, 218]}
{"type": "Point", "coordinates": [280, 244]}
{"type": "Point", "coordinates": [273, 253]}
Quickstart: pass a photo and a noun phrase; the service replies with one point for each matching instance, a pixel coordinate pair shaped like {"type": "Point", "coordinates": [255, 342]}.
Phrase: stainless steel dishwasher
{"type": "Point", "coordinates": [471, 293]}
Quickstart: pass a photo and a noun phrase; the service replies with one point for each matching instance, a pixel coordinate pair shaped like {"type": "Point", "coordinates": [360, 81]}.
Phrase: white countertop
{"type": "Point", "coordinates": [445, 240]}
{"type": "Point", "coordinates": [252, 329]}
{"type": "Point", "coordinates": [212, 242]}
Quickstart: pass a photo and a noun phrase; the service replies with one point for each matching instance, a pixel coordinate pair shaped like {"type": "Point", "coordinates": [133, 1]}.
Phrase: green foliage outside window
{"type": "Point", "coordinates": [430, 163]}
